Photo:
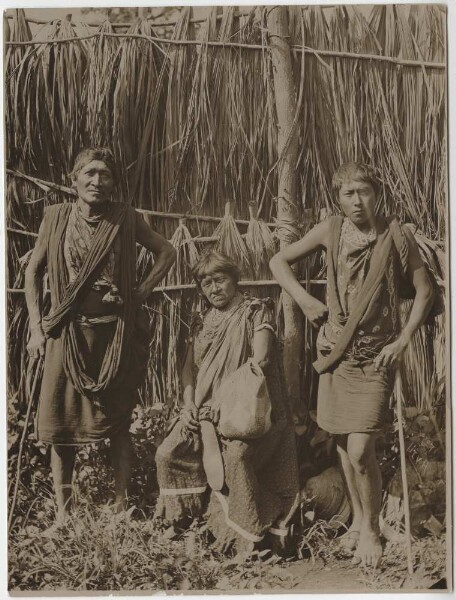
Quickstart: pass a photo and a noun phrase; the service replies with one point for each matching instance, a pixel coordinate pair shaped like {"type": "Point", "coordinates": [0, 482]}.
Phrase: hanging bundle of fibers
{"type": "Point", "coordinates": [229, 242]}
{"type": "Point", "coordinates": [261, 244]}
{"type": "Point", "coordinates": [187, 256]}
{"type": "Point", "coordinates": [180, 304]}
{"type": "Point", "coordinates": [171, 314]}
{"type": "Point", "coordinates": [425, 357]}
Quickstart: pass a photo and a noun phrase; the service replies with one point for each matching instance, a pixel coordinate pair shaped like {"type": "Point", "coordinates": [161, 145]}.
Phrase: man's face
{"type": "Point", "coordinates": [357, 199]}
{"type": "Point", "coordinates": [94, 183]}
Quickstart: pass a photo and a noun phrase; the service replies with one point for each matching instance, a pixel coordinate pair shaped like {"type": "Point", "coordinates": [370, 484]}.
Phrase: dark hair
{"type": "Point", "coordinates": [355, 171]}
{"type": "Point", "coordinates": [215, 262]}
{"type": "Point", "coordinates": [88, 155]}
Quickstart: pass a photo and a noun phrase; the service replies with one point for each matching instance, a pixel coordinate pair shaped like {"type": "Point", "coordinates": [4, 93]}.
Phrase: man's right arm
{"type": "Point", "coordinates": [33, 295]}
{"type": "Point", "coordinates": [280, 265]}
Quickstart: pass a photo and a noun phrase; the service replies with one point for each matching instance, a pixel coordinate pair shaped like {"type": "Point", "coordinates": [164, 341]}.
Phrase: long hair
{"type": "Point", "coordinates": [215, 262]}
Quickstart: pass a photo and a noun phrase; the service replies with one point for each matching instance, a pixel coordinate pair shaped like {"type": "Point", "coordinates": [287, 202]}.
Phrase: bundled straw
{"type": "Point", "coordinates": [261, 244]}
{"type": "Point", "coordinates": [171, 314]}
{"type": "Point", "coordinates": [230, 242]}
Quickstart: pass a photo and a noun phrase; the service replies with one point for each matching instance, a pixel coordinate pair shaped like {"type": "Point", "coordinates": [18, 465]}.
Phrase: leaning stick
{"type": "Point", "coordinates": [31, 395]}
{"type": "Point", "coordinates": [408, 535]}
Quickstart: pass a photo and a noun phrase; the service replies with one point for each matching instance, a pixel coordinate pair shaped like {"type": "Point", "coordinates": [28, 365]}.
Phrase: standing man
{"type": "Point", "coordinates": [90, 339]}
{"type": "Point", "coordinates": [360, 340]}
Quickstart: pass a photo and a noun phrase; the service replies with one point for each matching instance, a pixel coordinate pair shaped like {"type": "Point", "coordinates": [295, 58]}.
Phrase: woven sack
{"type": "Point", "coordinates": [245, 407]}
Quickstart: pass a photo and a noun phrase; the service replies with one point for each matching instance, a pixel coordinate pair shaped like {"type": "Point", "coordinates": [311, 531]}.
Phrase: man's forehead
{"type": "Point", "coordinates": [96, 165]}
{"type": "Point", "coordinates": [354, 183]}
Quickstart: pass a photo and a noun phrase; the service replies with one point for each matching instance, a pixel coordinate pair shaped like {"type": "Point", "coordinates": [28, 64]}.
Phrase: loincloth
{"type": "Point", "coordinates": [354, 397]}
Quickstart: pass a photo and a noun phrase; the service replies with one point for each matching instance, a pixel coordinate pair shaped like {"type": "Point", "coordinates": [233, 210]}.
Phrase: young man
{"type": "Point", "coordinates": [90, 337]}
{"type": "Point", "coordinates": [360, 340]}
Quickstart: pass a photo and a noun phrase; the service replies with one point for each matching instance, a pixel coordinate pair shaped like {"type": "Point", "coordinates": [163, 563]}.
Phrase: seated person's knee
{"type": "Point", "coordinates": [238, 450]}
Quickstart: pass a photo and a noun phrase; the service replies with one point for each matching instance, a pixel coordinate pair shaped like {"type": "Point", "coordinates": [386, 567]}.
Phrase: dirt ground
{"type": "Point", "coordinates": [342, 577]}
{"type": "Point", "coordinates": [336, 574]}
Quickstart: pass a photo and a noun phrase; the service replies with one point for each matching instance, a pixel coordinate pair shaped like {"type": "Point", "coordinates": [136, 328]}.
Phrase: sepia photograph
{"type": "Point", "coordinates": [227, 299]}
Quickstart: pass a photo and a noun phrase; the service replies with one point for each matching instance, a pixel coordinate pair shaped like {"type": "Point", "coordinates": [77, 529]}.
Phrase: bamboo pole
{"type": "Point", "coordinates": [287, 209]}
{"type": "Point", "coordinates": [408, 534]}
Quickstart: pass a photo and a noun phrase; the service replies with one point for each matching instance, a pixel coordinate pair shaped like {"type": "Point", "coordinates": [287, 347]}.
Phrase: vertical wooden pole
{"type": "Point", "coordinates": [287, 206]}
{"type": "Point", "coordinates": [408, 532]}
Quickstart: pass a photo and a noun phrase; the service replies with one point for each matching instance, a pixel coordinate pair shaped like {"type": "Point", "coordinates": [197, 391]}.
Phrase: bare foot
{"type": "Point", "coordinates": [369, 551]}
{"type": "Point", "coordinates": [349, 540]}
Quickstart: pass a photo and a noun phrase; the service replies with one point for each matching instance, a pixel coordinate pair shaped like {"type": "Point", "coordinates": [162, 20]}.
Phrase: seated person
{"type": "Point", "coordinates": [261, 475]}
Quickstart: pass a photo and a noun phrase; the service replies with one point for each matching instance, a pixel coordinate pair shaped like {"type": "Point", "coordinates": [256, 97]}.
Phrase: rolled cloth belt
{"type": "Point", "coordinates": [83, 319]}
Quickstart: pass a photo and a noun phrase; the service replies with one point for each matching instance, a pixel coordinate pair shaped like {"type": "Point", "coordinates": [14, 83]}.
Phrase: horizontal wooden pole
{"type": "Point", "coordinates": [115, 25]}
{"type": "Point", "coordinates": [153, 213]}
{"type": "Point", "coordinates": [21, 231]}
{"type": "Point", "coordinates": [297, 48]}
{"type": "Point", "coordinates": [207, 218]}
{"type": "Point", "coordinates": [192, 286]}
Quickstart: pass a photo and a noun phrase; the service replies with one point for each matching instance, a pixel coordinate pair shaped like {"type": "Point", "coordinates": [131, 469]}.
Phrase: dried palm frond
{"type": "Point", "coordinates": [137, 111]}
{"type": "Point", "coordinates": [102, 53]}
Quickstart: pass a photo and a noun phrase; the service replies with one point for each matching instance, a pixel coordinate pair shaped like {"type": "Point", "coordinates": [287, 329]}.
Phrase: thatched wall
{"type": "Point", "coordinates": [193, 125]}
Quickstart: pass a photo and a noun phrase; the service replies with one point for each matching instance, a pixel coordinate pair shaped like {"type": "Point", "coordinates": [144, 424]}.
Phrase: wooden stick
{"type": "Point", "coordinates": [21, 231]}
{"type": "Point", "coordinates": [129, 24]}
{"type": "Point", "coordinates": [38, 363]}
{"type": "Point", "coordinates": [296, 48]}
{"type": "Point", "coordinates": [154, 23]}
{"type": "Point", "coordinates": [408, 535]}
{"type": "Point", "coordinates": [154, 213]}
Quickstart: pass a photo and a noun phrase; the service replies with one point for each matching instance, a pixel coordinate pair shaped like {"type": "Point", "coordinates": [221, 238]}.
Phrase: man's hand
{"type": "Point", "coordinates": [215, 412]}
{"type": "Point", "coordinates": [390, 355]}
{"type": "Point", "coordinates": [315, 311]}
{"type": "Point", "coordinates": [189, 416]}
{"type": "Point", "coordinates": [37, 343]}
{"type": "Point", "coordinates": [139, 298]}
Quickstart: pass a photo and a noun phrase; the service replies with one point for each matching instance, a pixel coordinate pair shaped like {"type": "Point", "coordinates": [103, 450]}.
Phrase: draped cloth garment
{"type": "Point", "coordinates": [87, 393]}
{"type": "Point", "coordinates": [261, 478]}
{"type": "Point", "coordinates": [363, 317]}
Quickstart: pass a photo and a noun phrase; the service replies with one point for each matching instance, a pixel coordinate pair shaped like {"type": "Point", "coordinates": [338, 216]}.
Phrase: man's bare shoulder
{"type": "Point", "coordinates": [321, 232]}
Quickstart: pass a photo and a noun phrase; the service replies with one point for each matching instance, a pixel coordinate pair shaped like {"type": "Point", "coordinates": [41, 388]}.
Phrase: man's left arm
{"type": "Point", "coordinates": [164, 254]}
{"type": "Point", "coordinates": [422, 304]}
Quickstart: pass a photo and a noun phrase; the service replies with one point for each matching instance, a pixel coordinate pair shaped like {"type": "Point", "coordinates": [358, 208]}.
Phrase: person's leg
{"type": "Point", "coordinates": [351, 537]}
{"type": "Point", "coordinates": [62, 465]}
{"type": "Point", "coordinates": [121, 456]}
{"type": "Point", "coordinates": [361, 452]}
